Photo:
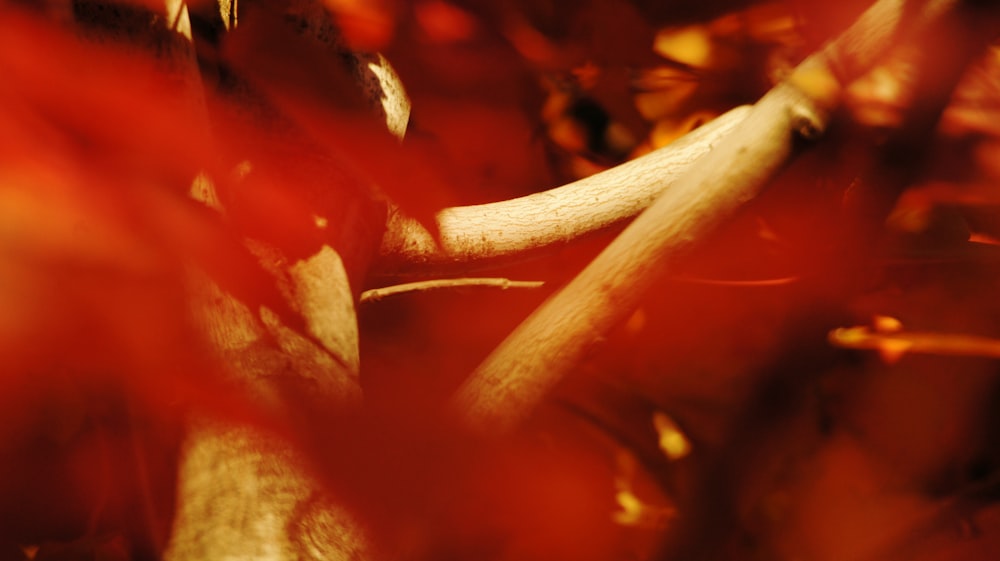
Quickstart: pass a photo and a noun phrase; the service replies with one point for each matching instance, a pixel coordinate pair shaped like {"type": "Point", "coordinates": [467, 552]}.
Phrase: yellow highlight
{"type": "Point", "coordinates": [817, 82]}
{"type": "Point", "coordinates": [631, 509]}
{"type": "Point", "coordinates": [672, 441]}
{"type": "Point", "coordinates": [891, 350]}
{"type": "Point", "coordinates": [887, 324]}
{"type": "Point", "coordinates": [850, 337]}
{"type": "Point", "coordinates": [202, 189]}
{"type": "Point", "coordinates": [688, 45]}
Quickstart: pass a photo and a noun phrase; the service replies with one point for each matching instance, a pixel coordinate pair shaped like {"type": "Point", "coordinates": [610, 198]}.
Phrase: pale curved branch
{"type": "Point", "coordinates": [482, 235]}
{"type": "Point", "coordinates": [552, 341]}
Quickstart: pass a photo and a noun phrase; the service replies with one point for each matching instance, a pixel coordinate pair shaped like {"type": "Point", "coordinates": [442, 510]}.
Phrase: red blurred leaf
{"type": "Point", "coordinates": [368, 25]}
{"type": "Point", "coordinates": [313, 83]}
{"type": "Point", "coordinates": [97, 229]}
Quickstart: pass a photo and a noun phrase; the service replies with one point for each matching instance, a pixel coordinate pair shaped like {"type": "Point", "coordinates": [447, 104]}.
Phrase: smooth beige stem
{"type": "Point", "coordinates": [473, 237]}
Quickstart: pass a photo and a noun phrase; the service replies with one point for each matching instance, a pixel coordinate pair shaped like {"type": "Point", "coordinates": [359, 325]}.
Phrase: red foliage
{"type": "Point", "coordinates": [801, 445]}
{"type": "Point", "coordinates": [97, 242]}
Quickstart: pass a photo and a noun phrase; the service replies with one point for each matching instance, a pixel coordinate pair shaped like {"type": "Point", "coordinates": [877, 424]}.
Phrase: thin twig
{"type": "Point", "coordinates": [376, 294]}
{"type": "Point", "coordinates": [893, 345]}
